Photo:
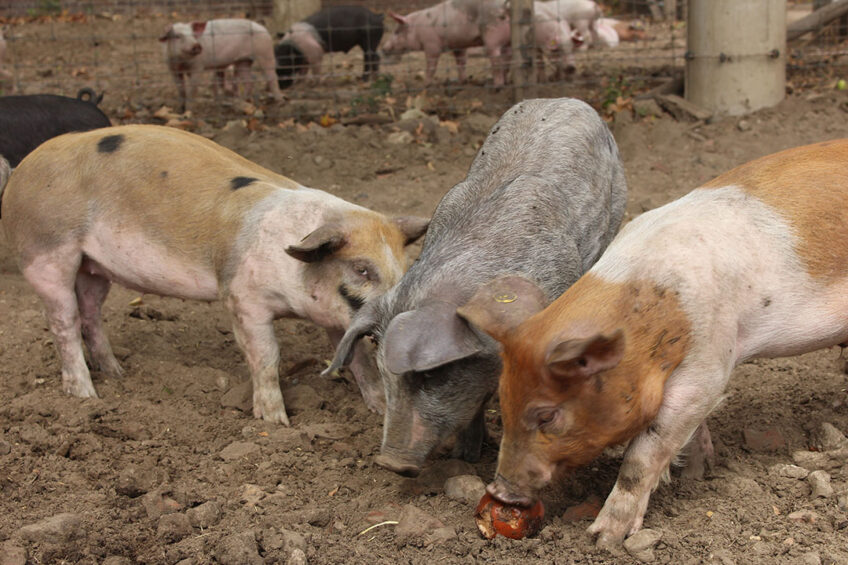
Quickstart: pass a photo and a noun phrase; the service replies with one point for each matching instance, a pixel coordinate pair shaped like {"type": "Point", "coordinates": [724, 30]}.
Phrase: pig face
{"type": "Point", "coordinates": [181, 40]}
{"type": "Point", "coordinates": [352, 261]}
{"type": "Point", "coordinates": [437, 374]}
{"type": "Point", "coordinates": [573, 381]}
{"type": "Point", "coordinates": [403, 39]}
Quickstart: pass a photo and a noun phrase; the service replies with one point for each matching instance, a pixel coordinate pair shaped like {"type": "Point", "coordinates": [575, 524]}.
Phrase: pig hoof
{"type": "Point", "coordinates": [113, 370]}
{"type": "Point", "coordinates": [80, 390]}
{"type": "Point", "coordinates": [277, 416]}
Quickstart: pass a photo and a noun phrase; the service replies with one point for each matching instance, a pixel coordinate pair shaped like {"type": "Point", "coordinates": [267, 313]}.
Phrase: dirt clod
{"type": "Point", "coordinates": [238, 450]}
{"type": "Point", "coordinates": [413, 524]}
{"type": "Point", "coordinates": [239, 549]}
{"type": "Point", "coordinates": [466, 488]}
{"type": "Point", "coordinates": [55, 529]}
{"type": "Point", "coordinates": [820, 483]}
{"type": "Point", "coordinates": [173, 527]}
{"type": "Point", "coordinates": [12, 554]}
{"type": "Point", "coordinates": [641, 544]}
{"type": "Point", "coordinates": [205, 515]}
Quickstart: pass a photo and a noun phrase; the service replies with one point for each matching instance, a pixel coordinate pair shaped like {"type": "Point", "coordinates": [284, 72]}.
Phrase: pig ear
{"type": "Point", "coordinates": [197, 28]}
{"type": "Point", "coordinates": [363, 324]}
{"type": "Point", "coordinates": [581, 358]}
{"type": "Point", "coordinates": [398, 18]}
{"type": "Point", "coordinates": [427, 338]}
{"type": "Point", "coordinates": [169, 33]}
{"type": "Point", "coordinates": [319, 244]}
{"type": "Point", "coordinates": [412, 227]}
{"type": "Point", "coordinates": [502, 304]}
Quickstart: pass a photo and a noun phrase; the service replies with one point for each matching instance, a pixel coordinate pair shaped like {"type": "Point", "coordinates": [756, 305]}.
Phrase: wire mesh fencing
{"type": "Point", "coordinates": [61, 46]}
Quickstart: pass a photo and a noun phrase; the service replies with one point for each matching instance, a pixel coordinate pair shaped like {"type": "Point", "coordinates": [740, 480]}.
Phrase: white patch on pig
{"type": "Point", "coordinates": [734, 261]}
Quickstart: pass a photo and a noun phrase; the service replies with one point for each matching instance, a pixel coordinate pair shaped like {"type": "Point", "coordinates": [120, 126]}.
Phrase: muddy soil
{"type": "Point", "coordinates": [168, 465]}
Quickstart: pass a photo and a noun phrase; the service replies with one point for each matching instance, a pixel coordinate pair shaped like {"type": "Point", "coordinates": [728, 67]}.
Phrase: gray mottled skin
{"type": "Point", "coordinates": [543, 198]}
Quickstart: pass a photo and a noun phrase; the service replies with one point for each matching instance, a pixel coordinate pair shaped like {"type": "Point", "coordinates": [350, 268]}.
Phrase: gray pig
{"type": "Point", "coordinates": [543, 198]}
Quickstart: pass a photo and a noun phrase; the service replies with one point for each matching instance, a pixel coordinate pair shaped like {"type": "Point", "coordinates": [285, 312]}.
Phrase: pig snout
{"type": "Point", "coordinates": [397, 464]}
{"type": "Point", "coordinates": [503, 490]}
{"type": "Point", "coordinates": [407, 442]}
{"type": "Point", "coordinates": [194, 49]}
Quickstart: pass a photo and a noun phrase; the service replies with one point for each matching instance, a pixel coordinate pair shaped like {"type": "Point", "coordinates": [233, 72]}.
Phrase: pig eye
{"type": "Point", "coordinates": [366, 271]}
{"type": "Point", "coordinates": [545, 418]}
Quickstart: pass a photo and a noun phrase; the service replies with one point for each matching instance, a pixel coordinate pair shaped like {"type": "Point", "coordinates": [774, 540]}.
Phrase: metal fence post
{"type": "Point", "coordinates": [736, 54]}
{"type": "Point", "coordinates": [523, 48]}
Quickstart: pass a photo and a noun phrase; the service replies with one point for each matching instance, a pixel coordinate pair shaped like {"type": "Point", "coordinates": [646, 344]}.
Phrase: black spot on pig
{"type": "Point", "coordinates": [110, 143]}
{"type": "Point", "coordinates": [241, 182]}
{"type": "Point", "coordinates": [354, 302]}
{"type": "Point", "coordinates": [766, 302]}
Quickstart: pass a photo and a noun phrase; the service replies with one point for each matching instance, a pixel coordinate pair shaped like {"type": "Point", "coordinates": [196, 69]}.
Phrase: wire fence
{"type": "Point", "coordinates": [61, 46]}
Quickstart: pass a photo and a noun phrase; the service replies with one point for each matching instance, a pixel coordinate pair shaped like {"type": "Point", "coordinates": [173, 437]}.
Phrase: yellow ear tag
{"type": "Point", "coordinates": [505, 298]}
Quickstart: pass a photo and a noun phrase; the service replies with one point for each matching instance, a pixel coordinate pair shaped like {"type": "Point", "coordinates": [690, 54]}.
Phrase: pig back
{"type": "Point", "coordinates": [173, 187]}
{"type": "Point", "coordinates": [543, 197]}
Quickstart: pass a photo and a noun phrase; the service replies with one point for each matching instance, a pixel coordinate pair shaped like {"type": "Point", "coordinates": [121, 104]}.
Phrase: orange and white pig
{"type": "Point", "coordinates": [168, 212]}
{"type": "Point", "coordinates": [640, 349]}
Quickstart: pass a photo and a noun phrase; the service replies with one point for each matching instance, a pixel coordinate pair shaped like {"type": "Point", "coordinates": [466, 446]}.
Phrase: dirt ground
{"type": "Point", "coordinates": [167, 467]}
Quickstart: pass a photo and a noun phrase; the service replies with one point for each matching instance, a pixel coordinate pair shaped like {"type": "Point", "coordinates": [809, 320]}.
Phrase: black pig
{"type": "Point", "coordinates": [333, 29]}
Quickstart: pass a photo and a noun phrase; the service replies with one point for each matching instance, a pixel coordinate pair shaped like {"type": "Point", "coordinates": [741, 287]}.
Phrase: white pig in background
{"type": "Point", "coordinates": [555, 41]}
{"type": "Point", "coordinates": [164, 211]}
{"type": "Point", "coordinates": [581, 15]}
{"type": "Point", "coordinates": [191, 48]}
{"type": "Point", "coordinates": [455, 25]}
{"type": "Point", "coordinates": [5, 75]}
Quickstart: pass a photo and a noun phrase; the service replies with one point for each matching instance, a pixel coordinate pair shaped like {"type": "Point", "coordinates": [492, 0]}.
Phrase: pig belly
{"type": "Point", "coordinates": [134, 262]}
{"type": "Point", "coordinates": [800, 322]}
{"type": "Point", "coordinates": [225, 52]}
{"type": "Point", "coordinates": [460, 36]}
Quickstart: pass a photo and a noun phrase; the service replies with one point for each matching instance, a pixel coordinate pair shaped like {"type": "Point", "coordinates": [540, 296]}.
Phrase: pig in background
{"type": "Point", "coordinates": [191, 48]}
{"type": "Point", "coordinates": [555, 42]}
{"type": "Point", "coordinates": [543, 197]}
{"type": "Point", "coordinates": [610, 32]}
{"type": "Point", "coordinates": [27, 121]}
{"type": "Point", "coordinates": [163, 211]}
{"type": "Point", "coordinates": [581, 16]}
{"type": "Point", "coordinates": [455, 25]}
{"type": "Point", "coordinates": [641, 348]}
{"type": "Point", "coordinates": [333, 29]}
{"type": "Point", "coordinates": [6, 79]}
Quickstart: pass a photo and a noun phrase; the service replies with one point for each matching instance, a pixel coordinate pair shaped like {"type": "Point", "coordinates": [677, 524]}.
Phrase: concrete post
{"type": "Point", "coordinates": [523, 44]}
{"type": "Point", "coordinates": [286, 12]}
{"type": "Point", "coordinates": [736, 55]}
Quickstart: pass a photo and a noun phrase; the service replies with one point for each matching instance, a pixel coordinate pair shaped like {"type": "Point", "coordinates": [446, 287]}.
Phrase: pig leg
{"type": "Point", "coordinates": [253, 327]}
{"type": "Point", "coordinates": [432, 61]}
{"type": "Point", "coordinates": [52, 278]}
{"type": "Point", "coordinates": [271, 82]}
{"type": "Point", "coordinates": [242, 77]}
{"type": "Point", "coordinates": [91, 291]}
{"type": "Point", "coordinates": [699, 454]}
{"type": "Point", "coordinates": [498, 68]}
{"type": "Point", "coordinates": [179, 80]}
{"type": "Point", "coordinates": [459, 56]}
{"type": "Point", "coordinates": [371, 64]}
{"type": "Point", "coordinates": [687, 400]}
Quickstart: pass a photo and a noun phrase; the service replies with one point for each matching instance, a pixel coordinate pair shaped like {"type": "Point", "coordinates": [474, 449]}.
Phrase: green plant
{"type": "Point", "coordinates": [46, 8]}
{"type": "Point", "coordinates": [614, 90]}
{"type": "Point", "coordinates": [379, 90]}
